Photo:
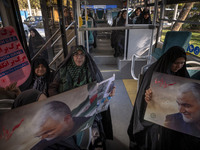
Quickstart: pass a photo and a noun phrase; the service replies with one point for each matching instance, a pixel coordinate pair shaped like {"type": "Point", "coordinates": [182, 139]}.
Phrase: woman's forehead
{"type": "Point", "coordinates": [80, 51]}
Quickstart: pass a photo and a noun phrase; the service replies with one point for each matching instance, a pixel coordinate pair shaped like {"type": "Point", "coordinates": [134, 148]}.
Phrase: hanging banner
{"type": "Point", "coordinates": [14, 64]}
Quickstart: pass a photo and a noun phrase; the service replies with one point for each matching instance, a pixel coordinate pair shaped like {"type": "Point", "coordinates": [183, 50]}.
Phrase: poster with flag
{"type": "Point", "coordinates": [46, 122]}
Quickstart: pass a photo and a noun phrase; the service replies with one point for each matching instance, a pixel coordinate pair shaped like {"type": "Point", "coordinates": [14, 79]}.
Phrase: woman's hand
{"type": "Point", "coordinates": [112, 93]}
{"type": "Point", "coordinates": [148, 95]}
{"type": "Point", "coordinates": [13, 88]}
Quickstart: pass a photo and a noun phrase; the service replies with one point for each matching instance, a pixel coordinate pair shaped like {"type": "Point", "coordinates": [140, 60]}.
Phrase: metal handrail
{"type": "Point", "coordinates": [141, 26]}
{"type": "Point", "coordinates": [171, 20]}
{"type": "Point", "coordinates": [43, 47]}
{"type": "Point", "coordinates": [60, 52]}
{"type": "Point", "coordinates": [70, 34]}
{"type": "Point", "coordinates": [136, 57]}
{"type": "Point", "coordinates": [60, 35]}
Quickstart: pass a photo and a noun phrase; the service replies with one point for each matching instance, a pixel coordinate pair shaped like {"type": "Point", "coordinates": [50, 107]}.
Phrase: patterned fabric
{"type": "Point", "coordinates": [73, 76]}
{"type": "Point", "coordinates": [40, 84]}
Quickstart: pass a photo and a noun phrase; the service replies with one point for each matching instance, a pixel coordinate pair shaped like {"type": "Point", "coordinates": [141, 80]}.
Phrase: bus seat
{"type": "Point", "coordinates": [139, 41]}
{"type": "Point", "coordinates": [84, 138]}
{"type": "Point", "coordinates": [100, 14]}
{"type": "Point", "coordinates": [90, 33]}
{"type": "Point", "coordinates": [6, 105]}
{"type": "Point", "coordinates": [138, 49]}
{"type": "Point", "coordinates": [196, 75]}
{"type": "Point", "coordinates": [114, 14]}
{"type": "Point", "coordinates": [173, 38]}
{"type": "Point", "coordinates": [193, 68]}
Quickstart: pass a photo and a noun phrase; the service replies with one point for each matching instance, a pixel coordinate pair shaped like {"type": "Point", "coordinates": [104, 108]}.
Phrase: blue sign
{"type": "Point", "coordinates": [194, 50]}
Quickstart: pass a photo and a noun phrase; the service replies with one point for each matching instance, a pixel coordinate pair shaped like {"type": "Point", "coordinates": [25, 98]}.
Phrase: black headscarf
{"type": "Point", "coordinates": [142, 20]}
{"type": "Point", "coordinates": [95, 75]}
{"type": "Point", "coordinates": [39, 83]}
{"type": "Point", "coordinates": [95, 72]}
{"type": "Point", "coordinates": [35, 43]}
{"type": "Point", "coordinates": [134, 13]}
{"type": "Point", "coordinates": [122, 21]}
{"type": "Point", "coordinates": [26, 97]}
{"type": "Point", "coordinates": [140, 130]}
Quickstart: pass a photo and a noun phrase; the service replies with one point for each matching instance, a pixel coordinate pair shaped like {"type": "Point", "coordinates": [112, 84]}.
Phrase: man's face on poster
{"type": "Point", "coordinates": [51, 129]}
{"type": "Point", "coordinates": [189, 107]}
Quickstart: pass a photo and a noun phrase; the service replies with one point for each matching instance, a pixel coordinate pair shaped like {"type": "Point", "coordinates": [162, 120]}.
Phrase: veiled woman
{"type": "Point", "coordinates": [149, 136]}
{"type": "Point", "coordinates": [39, 78]}
{"type": "Point", "coordinates": [79, 69]}
{"type": "Point", "coordinates": [36, 42]}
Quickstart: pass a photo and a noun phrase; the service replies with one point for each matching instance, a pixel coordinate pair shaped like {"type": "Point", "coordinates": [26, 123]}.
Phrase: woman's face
{"type": "Point", "coordinates": [178, 64]}
{"type": "Point", "coordinates": [40, 70]}
{"type": "Point", "coordinates": [32, 33]}
{"type": "Point", "coordinates": [79, 58]}
{"type": "Point", "coordinates": [124, 15]}
{"type": "Point", "coordinates": [138, 12]}
{"type": "Point", "coordinates": [146, 16]}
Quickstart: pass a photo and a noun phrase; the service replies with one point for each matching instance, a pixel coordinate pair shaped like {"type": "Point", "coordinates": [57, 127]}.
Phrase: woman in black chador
{"type": "Point", "coordinates": [35, 43]}
{"type": "Point", "coordinates": [144, 18]}
{"type": "Point", "coordinates": [145, 135]}
{"type": "Point", "coordinates": [39, 78]}
{"type": "Point", "coordinates": [79, 69]}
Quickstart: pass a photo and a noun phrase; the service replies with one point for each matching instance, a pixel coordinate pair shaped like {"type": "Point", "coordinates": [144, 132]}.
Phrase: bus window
{"type": "Point", "coordinates": [191, 18]}
{"type": "Point", "coordinates": [1, 24]}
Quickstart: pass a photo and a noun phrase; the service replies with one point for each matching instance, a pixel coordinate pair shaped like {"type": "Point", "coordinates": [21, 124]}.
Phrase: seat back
{"type": "Point", "coordinates": [90, 33]}
{"type": "Point", "coordinates": [174, 38]}
{"type": "Point", "coordinates": [193, 68]}
{"type": "Point", "coordinates": [139, 41]}
{"type": "Point", "coordinates": [6, 105]}
{"type": "Point", "coordinates": [100, 14]}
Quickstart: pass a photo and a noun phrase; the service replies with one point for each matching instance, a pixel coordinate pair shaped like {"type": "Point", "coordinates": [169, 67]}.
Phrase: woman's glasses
{"type": "Point", "coordinates": [79, 54]}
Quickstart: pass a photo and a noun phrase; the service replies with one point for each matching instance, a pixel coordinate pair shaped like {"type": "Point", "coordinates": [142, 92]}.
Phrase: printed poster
{"type": "Point", "coordinates": [35, 126]}
{"type": "Point", "coordinates": [14, 64]}
{"type": "Point", "coordinates": [104, 89]}
{"type": "Point", "coordinates": [175, 103]}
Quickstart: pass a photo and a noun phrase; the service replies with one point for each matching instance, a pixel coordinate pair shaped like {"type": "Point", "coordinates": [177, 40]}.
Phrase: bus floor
{"type": "Point", "coordinates": [121, 110]}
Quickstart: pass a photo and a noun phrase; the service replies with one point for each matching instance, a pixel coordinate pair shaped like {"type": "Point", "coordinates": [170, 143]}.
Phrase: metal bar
{"type": "Point", "coordinates": [60, 35]}
{"type": "Point", "coordinates": [86, 16]}
{"type": "Point", "coordinates": [55, 41]}
{"type": "Point", "coordinates": [42, 48]}
{"type": "Point", "coordinates": [70, 33]}
{"type": "Point", "coordinates": [71, 40]}
{"type": "Point", "coordinates": [60, 52]}
{"type": "Point", "coordinates": [126, 31]}
{"type": "Point", "coordinates": [153, 30]}
{"type": "Point", "coordinates": [69, 25]}
{"type": "Point", "coordinates": [62, 26]}
{"type": "Point", "coordinates": [75, 18]}
{"type": "Point", "coordinates": [55, 58]}
{"type": "Point", "coordinates": [141, 26]}
{"type": "Point", "coordinates": [162, 14]}
{"type": "Point", "coordinates": [171, 20]}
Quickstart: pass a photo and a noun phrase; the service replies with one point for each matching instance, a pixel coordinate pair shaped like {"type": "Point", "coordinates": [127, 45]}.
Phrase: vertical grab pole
{"type": "Point", "coordinates": [86, 26]}
{"type": "Point", "coordinates": [78, 5]}
{"type": "Point", "coordinates": [126, 31]}
{"type": "Point", "coordinates": [152, 35]}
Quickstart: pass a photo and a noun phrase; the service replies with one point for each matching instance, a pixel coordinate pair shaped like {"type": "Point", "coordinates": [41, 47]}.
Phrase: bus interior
{"type": "Point", "coordinates": [92, 24]}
